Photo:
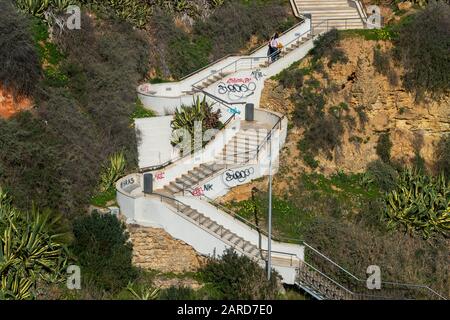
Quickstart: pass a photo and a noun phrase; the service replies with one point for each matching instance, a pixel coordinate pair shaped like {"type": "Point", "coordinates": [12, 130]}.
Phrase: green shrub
{"type": "Point", "coordinates": [443, 156]}
{"type": "Point", "coordinates": [291, 78]}
{"type": "Point", "coordinates": [226, 29]}
{"type": "Point", "coordinates": [381, 61]}
{"type": "Point", "coordinates": [20, 71]}
{"type": "Point", "coordinates": [113, 171]}
{"type": "Point", "coordinates": [104, 252]}
{"type": "Point", "coordinates": [425, 57]}
{"type": "Point", "coordinates": [141, 112]}
{"type": "Point", "coordinates": [382, 174]}
{"type": "Point", "coordinates": [326, 46]}
{"type": "Point", "coordinates": [53, 156]}
{"type": "Point", "coordinates": [236, 277]}
{"type": "Point", "coordinates": [384, 147]}
{"type": "Point", "coordinates": [310, 161]}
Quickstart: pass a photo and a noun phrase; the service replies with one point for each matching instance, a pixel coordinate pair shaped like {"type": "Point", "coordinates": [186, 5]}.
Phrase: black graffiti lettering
{"type": "Point", "coordinates": [239, 175]}
{"type": "Point", "coordinates": [127, 182]}
{"type": "Point", "coordinates": [236, 88]}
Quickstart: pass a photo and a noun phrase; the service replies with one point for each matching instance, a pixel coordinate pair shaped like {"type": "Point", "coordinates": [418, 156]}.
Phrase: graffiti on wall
{"type": "Point", "coordinates": [237, 88]}
{"type": "Point", "coordinates": [239, 175]}
{"type": "Point", "coordinates": [234, 111]}
{"type": "Point", "coordinates": [128, 182]}
{"type": "Point", "coordinates": [257, 74]}
{"type": "Point", "coordinates": [200, 191]}
{"type": "Point", "coordinates": [159, 175]}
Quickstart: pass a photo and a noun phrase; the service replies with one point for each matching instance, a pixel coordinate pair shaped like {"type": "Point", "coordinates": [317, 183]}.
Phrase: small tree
{"type": "Point", "coordinates": [104, 251]}
{"type": "Point", "coordinates": [235, 276]}
{"type": "Point", "coordinates": [384, 147]}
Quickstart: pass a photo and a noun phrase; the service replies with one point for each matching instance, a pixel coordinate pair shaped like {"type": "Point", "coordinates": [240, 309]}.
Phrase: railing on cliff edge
{"type": "Point", "coordinates": [234, 55]}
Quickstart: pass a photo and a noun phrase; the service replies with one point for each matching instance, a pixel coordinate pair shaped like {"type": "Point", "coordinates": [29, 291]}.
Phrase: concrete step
{"type": "Point", "coordinates": [246, 139]}
{"type": "Point", "coordinates": [173, 188]}
{"type": "Point", "coordinates": [239, 147]}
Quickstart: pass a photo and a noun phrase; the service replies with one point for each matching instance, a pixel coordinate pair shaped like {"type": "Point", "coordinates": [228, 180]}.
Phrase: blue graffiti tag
{"type": "Point", "coordinates": [234, 111]}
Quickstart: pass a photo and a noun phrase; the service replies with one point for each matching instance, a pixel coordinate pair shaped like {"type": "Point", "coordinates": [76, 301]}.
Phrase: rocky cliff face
{"type": "Point", "coordinates": [415, 127]}
{"type": "Point", "coordinates": [155, 249]}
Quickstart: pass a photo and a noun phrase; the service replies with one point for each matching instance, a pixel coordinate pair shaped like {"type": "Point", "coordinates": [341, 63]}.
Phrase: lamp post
{"type": "Point", "coordinates": [269, 227]}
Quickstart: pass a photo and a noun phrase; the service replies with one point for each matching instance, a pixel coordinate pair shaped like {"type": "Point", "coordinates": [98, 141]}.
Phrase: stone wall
{"type": "Point", "coordinates": [154, 248]}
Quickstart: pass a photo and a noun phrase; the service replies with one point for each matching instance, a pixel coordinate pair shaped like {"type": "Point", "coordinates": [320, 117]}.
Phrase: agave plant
{"type": "Point", "coordinates": [29, 250]}
{"type": "Point", "coordinates": [187, 117]}
{"type": "Point", "coordinates": [34, 7]}
{"type": "Point", "coordinates": [113, 171]}
{"type": "Point", "coordinates": [61, 5]}
{"type": "Point", "coordinates": [144, 293]}
{"type": "Point", "coordinates": [420, 203]}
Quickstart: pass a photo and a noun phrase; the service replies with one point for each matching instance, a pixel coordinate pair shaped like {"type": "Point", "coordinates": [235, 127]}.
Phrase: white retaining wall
{"type": "Point", "coordinates": [149, 211]}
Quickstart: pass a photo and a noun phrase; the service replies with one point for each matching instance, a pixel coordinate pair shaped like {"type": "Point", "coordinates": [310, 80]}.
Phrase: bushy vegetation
{"type": "Point", "coordinates": [178, 293]}
{"type": "Point", "coordinates": [291, 77]}
{"type": "Point", "coordinates": [32, 250]}
{"type": "Point", "coordinates": [382, 174]}
{"type": "Point", "coordinates": [54, 156]}
{"type": "Point", "coordinates": [226, 30]}
{"type": "Point", "coordinates": [323, 130]}
{"type": "Point", "coordinates": [21, 70]}
{"type": "Point", "coordinates": [424, 57]}
{"type": "Point", "coordinates": [344, 216]}
{"type": "Point", "coordinates": [236, 277]}
{"type": "Point", "coordinates": [103, 251]}
{"type": "Point", "coordinates": [327, 46]}
{"type": "Point", "coordinates": [252, 18]}
{"type": "Point", "coordinates": [384, 146]}
{"type": "Point", "coordinates": [443, 156]}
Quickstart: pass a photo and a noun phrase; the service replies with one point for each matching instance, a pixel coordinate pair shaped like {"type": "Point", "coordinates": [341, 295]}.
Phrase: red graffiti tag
{"type": "Point", "coordinates": [239, 80]}
{"type": "Point", "coordinates": [197, 192]}
{"type": "Point", "coordinates": [159, 175]}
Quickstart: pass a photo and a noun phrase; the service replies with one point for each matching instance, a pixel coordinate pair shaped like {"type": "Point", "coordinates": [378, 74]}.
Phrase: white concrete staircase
{"type": "Point", "coordinates": [327, 14]}
{"type": "Point", "coordinates": [226, 235]}
{"type": "Point", "coordinates": [196, 220]}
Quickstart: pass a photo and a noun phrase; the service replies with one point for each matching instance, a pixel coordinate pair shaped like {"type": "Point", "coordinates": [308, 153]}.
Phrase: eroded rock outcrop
{"type": "Point", "coordinates": [415, 127]}
{"type": "Point", "coordinates": [154, 248]}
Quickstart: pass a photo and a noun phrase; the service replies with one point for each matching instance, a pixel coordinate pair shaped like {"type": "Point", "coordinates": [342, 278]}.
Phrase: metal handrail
{"type": "Point", "coordinates": [327, 21]}
{"type": "Point", "coordinates": [234, 155]}
{"type": "Point", "coordinates": [362, 11]}
{"type": "Point", "coordinates": [235, 55]}
{"type": "Point", "coordinates": [362, 280]}
{"type": "Point", "coordinates": [220, 100]}
{"type": "Point", "coordinates": [169, 162]}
